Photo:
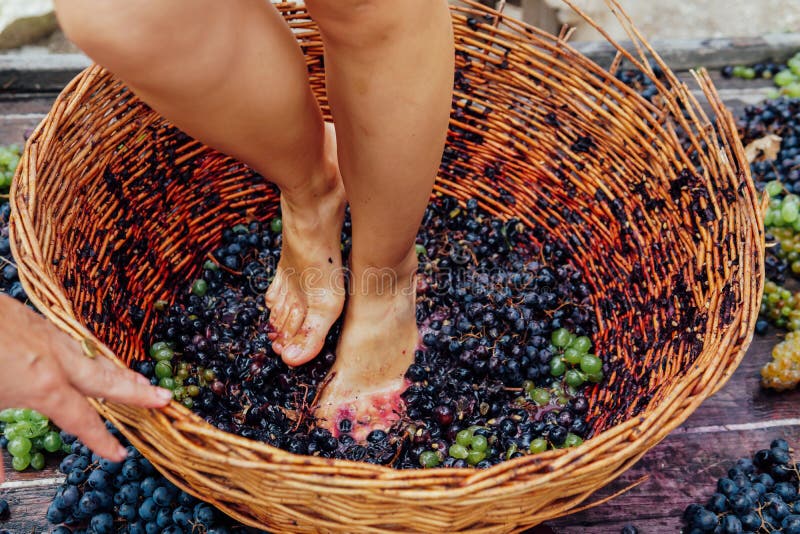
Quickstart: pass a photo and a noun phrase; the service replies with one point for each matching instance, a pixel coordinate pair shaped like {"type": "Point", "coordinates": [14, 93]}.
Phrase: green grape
{"type": "Point", "coordinates": [595, 377]}
{"type": "Point", "coordinates": [163, 369]}
{"type": "Point", "coordinates": [774, 188]}
{"type": "Point", "coordinates": [167, 383]}
{"type": "Point", "coordinates": [157, 346]}
{"type": "Point", "coordinates": [23, 414]}
{"type": "Point", "coordinates": [475, 457]}
{"type": "Point", "coordinates": [52, 441]}
{"type": "Point", "coordinates": [200, 288]}
{"type": "Point", "coordinates": [464, 438]}
{"type": "Point", "coordinates": [538, 445]}
{"type": "Point", "coordinates": [21, 463]}
{"type": "Point", "coordinates": [36, 417]}
{"type": "Point", "coordinates": [164, 354]}
{"type": "Point", "coordinates": [792, 90]}
{"type": "Point", "coordinates": [8, 415]}
{"type": "Point", "coordinates": [574, 378]}
{"type": "Point", "coordinates": [560, 338]}
{"type": "Point", "coordinates": [540, 396]}
{"type": "Point", "coordinates": [769, 217]}
{"type": "Point", "coordinates": [591, 364]}
{"type": "Point", "coordinates": [19, 446]}
{"type": "Point", "coordinates": [37, 461]}
{"type": "Point", "coordinates": [458, 451]}
{"type": "Point", "coordinates": [479, 443]}
{"type": "Point", "coordinates": [429, 459]}
{"type": "Point", "coordinates": [784, 78]}
{"type": "Point", "coordinates": [572, 440]}
{"type": "Point", "coordinates": [572, 355]}
{"type": "Point", "coordinates": [557, 366]}
{"type": "Point", "coordinates": [581, 344]}
{"type": "Point", "coordinates": [6, 157]}
{"type": "Point", "coordinates": [17, 430]}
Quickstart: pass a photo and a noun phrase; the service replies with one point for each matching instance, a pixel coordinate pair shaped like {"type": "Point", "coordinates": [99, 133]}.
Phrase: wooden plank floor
{"type": "Point", "coordinates": [682, 469]}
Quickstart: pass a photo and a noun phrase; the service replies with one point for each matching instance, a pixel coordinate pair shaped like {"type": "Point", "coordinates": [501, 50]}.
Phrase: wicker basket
{"type": "Point", "coordinates": [666, 226]}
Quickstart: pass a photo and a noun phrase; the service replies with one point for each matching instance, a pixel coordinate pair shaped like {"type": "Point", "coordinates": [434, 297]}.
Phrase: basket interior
{"type": "Point", "coordinates": [537, 132]}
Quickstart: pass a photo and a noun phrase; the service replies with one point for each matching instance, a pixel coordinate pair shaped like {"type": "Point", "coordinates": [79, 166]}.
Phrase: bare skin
{"type": "Point", "coordinates": [236, 80]}
{"type": "Point", "coordinates": [45, 370]}
{"type": "Point", "coordinates": [377, 345]}
{"type": "Point", "coordinates": [307, 294]}
{"type": "Point", "coordinates": [389, 68]}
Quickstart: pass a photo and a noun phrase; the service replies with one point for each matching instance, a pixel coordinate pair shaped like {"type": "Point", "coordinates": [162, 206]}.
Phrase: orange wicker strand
{"type": "Point", "coordinates": [653, 200]}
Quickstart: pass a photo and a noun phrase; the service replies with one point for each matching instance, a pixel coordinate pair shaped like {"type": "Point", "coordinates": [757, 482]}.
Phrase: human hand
{"type": "Point", "coordinates": [44, 369]}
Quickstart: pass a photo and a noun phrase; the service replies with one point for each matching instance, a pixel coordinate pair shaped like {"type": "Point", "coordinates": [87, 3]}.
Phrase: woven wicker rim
{"type": "Point", "coordinates": [595, 463]}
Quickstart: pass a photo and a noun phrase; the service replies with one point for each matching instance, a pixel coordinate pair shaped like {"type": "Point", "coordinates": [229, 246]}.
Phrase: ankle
{"type": "Point", "coordinates": [376, 282]}
{"type": "Point", "coordinates": [323, 180]}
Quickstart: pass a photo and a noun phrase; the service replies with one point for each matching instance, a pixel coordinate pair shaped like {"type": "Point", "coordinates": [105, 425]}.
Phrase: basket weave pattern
{"type": "Point", "coordinates": [114, 209]}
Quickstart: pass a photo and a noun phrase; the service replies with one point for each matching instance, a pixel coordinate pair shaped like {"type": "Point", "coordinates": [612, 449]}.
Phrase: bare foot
{"type": "Point", "coordinates": [307, 295]}
{"type": "Point", "coordinates": [376, 347]}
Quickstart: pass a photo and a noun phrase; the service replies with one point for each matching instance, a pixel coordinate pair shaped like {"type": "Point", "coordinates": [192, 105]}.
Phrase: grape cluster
{"type": "Point", "coordinates": [131, 497]}
{"type": "Point", "coordinates": [783, 372]}
{"type": "Point", "coordinates": [27, 435]}
{"type": "Point", "coordinates": [783, 211]}
{"type": "Point", "coordinates": [184, 379]}
{"type": "Point", "coordinates": [780, 306]}
{"type": "Point", "coordinates": [780, 117]}
{"type": "Point", "coordinates": [786, 76]}
{"type": "Point", "coordinates": [500, 314]}
{"type": "Point", "coordinates": [780, 179]}
{"type": "Point", "coordinates": [9, 279]}
{"type": "Point", "coordinates": [9, 159]}
{"type": "Point", "coordinates": [758, 495]}
{"type": "Point", "coordinates": [759, 70]}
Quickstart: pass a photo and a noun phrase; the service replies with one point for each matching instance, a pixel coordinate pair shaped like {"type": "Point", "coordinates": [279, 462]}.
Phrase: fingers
{"type": "Point", "coordinates": [102, 379]}
{"type": "Point", "coordinates": [73, 413]}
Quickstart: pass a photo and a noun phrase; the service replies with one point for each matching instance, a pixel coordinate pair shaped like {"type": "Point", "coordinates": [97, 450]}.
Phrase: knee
{"type": "Point", "coordinates": [111, 33]}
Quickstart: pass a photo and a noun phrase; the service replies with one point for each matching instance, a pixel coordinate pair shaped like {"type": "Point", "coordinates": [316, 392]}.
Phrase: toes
{"type": "Point", "coordinates": [287, 315]}
{"type": "Point", "coordinates": [293, 322]}
{"type": "Point", "coordinates": [279, 314]}
{"type": "Point", "coordinates": [275, 292]}
{"type": "Point", "coordinates": [308, 342]}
